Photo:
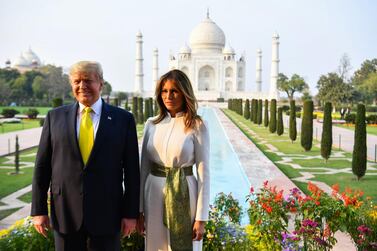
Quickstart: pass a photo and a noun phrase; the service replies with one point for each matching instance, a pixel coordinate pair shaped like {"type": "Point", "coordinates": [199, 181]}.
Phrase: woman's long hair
{"type": "Point", "coordinates": [190, 104]}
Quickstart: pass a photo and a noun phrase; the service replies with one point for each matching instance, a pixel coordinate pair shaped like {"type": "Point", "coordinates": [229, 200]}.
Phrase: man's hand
{"type": "Point", "coordinates": [198, 230]}
{"type": "Point", "coordinates": [128, 226]}
{"type": "Point", "coordinates": [41, 224]}
{"type": "Point", "coordinates": [140, 228]}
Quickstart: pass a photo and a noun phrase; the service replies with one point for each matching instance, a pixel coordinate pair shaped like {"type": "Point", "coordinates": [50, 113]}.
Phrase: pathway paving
{"type": "Point", "coordinates": [26, 139]}
{"type": "Point", "coordinates": [259, 168]}
{"type": "Point", "coordinates": [346, 137]}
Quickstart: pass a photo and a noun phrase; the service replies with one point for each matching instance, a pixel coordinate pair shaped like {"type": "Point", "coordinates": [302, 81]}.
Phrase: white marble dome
{"type": "Point", "coordinates": [228, 50]}
{"type": "Point", "coordinates": [185, 49]}
{"type": "Point", "coordinates": [27, 58]}
{"type": "Point", "coordinates": [20, 61]}
{"type": "Point", "coordinates": [207, 36]}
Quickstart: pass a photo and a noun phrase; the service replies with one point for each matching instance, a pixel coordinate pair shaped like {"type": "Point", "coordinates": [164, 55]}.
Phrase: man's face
{"type": "Point", "coordinates": [86, 87]}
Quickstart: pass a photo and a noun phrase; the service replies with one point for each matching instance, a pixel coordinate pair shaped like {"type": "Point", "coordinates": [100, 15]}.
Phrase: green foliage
{"type": "Point", "coordinates": [147, 111]}
{"type": "Point", "coordinates": [260, 110]}
{"type": "Point", "coordinates": [350, 118]}
{"type": "Point", "coordinates": [326, 139]}
{"type": "Point", "coordinates": [290, 86]}
{"type": "Point", "coordinates": [307, 126]}
{"type": "Point", "coordinates": [56, 102]}
{"type": "Point", "coordinates": [265, 119]}
{"type": "Point", "coordinates": [255, 111]}
{"type": "Point", "coordinates": [280, 125]}
{"type": "Point", "coordinates": [359, 156]}
{"type": "Point", "coordinates": [41, 122]}
{"type": "Point", "coordinates": [17, 156]}
{"type": "Point", "coordinates": [106, 89]}
{"type": "Point", "coordinates": [292, 121]}
{"type": "Point", "coordinates": [140, 112]}
{"type": "Point", "coordinates": [246, 114]}
{"type": "Point", "coordinates": [32, 113]}
{"type": "Point", "coordinates": [135, 109]}
{"type": "Point", "coordinates": [9, 113]}
{"type": "Point", "coordinates": [272, 124]}
{"type": "Point", "coordinates": [156, 109]}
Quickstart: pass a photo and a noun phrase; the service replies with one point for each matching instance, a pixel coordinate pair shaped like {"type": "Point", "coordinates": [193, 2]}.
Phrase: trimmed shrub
{"type": "Point", "coordinates": [220, 100]}
{"type": "Point", "coordinates": [17, 156]}
{"type": "Point", "coordinates": [272, 124]}
{"type": "Point", "coordinates": [280, 125]}
{"type": "Point", "coordinates": [326, 140]}
{"type": "Point", "coordinates": [292, 121]}
{"type": "Point", "coordinates": [9, 112]}
{"type": "Point", "coordinates": [307, 126]}
{"type": "Point", "coordinates": [32, 113]}
{"type": "Point", "coordinates": [56, 102]}
{"type": "Point", "coordinates": [134, 109]}
{"type": "Point", "coordinates": [350, 118]}
{"type": "Point", "coordinates": [146, 110]}
{"type": "Point", "coordinates": [41, 122]}
{"type": "Point", "coordinates": [260, 110]}
{"type": "Point", "coordinates": [246, 114]}
{"type": "Point", "coordinates": [359, 156]}
{"type": "Point", "coordinates": [371, 109]}
{"type": "Point", "coordinates": [156, 109]}
{"type": "Point", "coordinates": [371, 119]}
{"type": "Point", "coordinates": [255, 112]}
{"type": "Point", "coordinates": [265, 113]}
{"type": "Point", "coordinates": [298, 114]}
{"type": "Point", "coordinates": [126, 107]}
{"type": "Point", "coordinates": [140, 112]}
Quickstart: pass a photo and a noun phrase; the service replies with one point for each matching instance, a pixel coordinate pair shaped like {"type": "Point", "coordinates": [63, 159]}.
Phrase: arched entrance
{"type": "Point", "coordinates": [206, 79]}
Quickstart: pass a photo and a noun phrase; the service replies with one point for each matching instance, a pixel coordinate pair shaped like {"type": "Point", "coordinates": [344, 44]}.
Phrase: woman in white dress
{"type": "Point", "coordinates": [174, 204]}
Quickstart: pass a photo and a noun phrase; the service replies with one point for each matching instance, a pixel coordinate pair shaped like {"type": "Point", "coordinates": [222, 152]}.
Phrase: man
{"type": "Point", "coordinates": [88, 157]}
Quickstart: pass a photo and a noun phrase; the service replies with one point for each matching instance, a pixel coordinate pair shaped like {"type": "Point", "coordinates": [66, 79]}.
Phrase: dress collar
{"type": "Point", "coordinates": [177, 115]}
{"type": "Point", "coordinates": [96, 107]}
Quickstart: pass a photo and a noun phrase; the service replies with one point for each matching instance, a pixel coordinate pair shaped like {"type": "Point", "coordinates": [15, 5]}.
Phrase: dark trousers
{"type": "Point", "coordinates": [84, 241]}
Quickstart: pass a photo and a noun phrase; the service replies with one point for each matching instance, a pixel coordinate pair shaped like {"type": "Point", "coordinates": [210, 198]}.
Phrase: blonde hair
{"type": "Point", "coordinates": [190, 104]}
{"type": "Point", "coordinates": [87, 67]}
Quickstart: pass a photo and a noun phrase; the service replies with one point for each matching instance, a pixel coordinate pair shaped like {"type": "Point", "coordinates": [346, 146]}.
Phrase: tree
{"type": "Point", "coordinates": [56, 102]}
{"type": "Point", "coordinates": [135, 109]}
{"type": "Point", "coordinates": [156, 108]}
{"type": "Point", "coordinates": [265, 113]}
{"type": "Point", "coordinates": [290, 86]}
{"type": "Point", "coordinates": [292, 121]}
{"type": "Point", "coordinates": [280, 125]}
{"type": "Point", "coordinates": [367, 67]}
{"type": "Point", "coordinates": [307, 126]}
{"type": "Point", "coordinates": [151, 107]}
{"type": "Point", "coordinates": [369, 88]}
{"type": "Point", "coordinates": [359, 156]}
{"type": "Point", "coordinates": [255, 111]}
{"type": "Point", "coordinates": [140, 111]}
{"type": "Point", "coordinates": [326, 139]}
{"type": "Point", "coordinates": [55, 82]}
{"type": "Point", "coordinates": [4, 92]}
{"type": "Point", "coordinates": [146, 110]}
{"type": "Point", "coordinates": [246, 114]}
{"type": "Point", "coordinates": [106, 89]}
{"type": "Point", "coordinates": [272, 124]}
{"type": "Point", "coordinates": [332, 88]}
{"type": "Point", "coordinates": [121, 96]}
{"type": "Point", "coordinates": [260, 110]}
{"type": "Point", "coordinates": [37, 87]}
{"type": "Point", "coordinates": [344, 67]}
{"type": "Point", "coordinates": [17, 156]}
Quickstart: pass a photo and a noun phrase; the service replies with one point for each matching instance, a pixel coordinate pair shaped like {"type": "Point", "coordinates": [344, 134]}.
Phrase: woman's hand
{"type": "Point", "coordinates": [140, 228]}
{"type": "Point", "coordinates": [198, 230]}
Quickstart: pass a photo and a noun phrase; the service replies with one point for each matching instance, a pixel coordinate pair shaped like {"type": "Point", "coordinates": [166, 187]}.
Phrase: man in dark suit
{"type": "Point", "coordinates": [88, 157]}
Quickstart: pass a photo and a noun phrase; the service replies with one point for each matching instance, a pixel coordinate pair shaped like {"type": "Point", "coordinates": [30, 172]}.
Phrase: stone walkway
{"type": "Point", "coordinates": [259, 168]}
{"type": "Point", "coordinates": [26, 139]}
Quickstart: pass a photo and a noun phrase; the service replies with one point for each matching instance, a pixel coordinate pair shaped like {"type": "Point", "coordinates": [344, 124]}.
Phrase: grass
{"type": "Point", "coordinates": [294, 150]}
{"type": "Point", "coordinates": [26, 197]}
{"type": "Point", "coordinates": [139, 129]}
{"type": "Point", "coordinates": [25, 124]}
{"type": "Point", "coordinates": [7, 212]}
{"type": "Point", "coordinates": [22, 109]}
{"type": "Point", "coordinates": [370, 129]}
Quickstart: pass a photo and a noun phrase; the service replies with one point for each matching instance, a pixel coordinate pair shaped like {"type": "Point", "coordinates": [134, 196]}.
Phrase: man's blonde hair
{"type": "Point", "coordinates": [87, 67]}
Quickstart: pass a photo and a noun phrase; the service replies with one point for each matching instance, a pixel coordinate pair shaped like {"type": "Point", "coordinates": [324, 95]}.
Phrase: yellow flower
{"type": "Point", "coordinates": [4, 232]}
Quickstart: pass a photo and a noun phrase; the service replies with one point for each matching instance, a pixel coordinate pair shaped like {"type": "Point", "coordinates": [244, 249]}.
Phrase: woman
{"type": "Point", "coordinates": [174, 204]}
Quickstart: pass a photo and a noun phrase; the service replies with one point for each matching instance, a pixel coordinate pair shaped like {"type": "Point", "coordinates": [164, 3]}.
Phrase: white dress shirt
{"type": "Point", "coordinates": [95, 115]}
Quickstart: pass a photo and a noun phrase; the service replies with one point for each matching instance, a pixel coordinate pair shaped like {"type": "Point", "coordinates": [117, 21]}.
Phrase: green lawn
{"type": "Point", "coordinates": [25, 124]}
{"type": "Point", "coordinates": [26, 197]}
{"type": "Point", "coordinates": [284, 145]}
{"type": "Point", "coordinates": [5, 213]}
{"type": "Point", "coordinates": [370, 129]}
{"type": "Point", "coordinates": [22, 109]}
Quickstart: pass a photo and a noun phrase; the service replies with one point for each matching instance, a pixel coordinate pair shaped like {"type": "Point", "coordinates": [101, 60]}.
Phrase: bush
{"type": "Point", "coordinates": [326, 140]}
{"type": "Point", "coordinates": [32, 113]}
{"type": "Point", "coordinates": [272, 124]}
{"type": "Point", "coordinates": [265, 119]}
{"type": "Point", "coordinates": [56, 102]}
{"type": "Point", "coordinates": [371, 109]}
{"type": "Point", "coordinates": [292, 122]}
{"type": "Point", "coordinates": [298, 114]}
{"type": "Point", "coordinates": [41, 122]}
{"type": "Point", "coordinates": [307, 126]}
{"type": "Point", "coordinates": [246, 113]}
{"type": "Point", "coordinates": [9, 112]}
{"type": "Point", "coordinates": [350, 118]}
{"type": "Point", "coordinates": [259, 113]}
{"type": "Point", "coordinates": [372, 119]}
{"type": "Point", "coordinates": [285, 108]}
{"type": "Point", "coordinates": [220, 100]}
{"type": "Point", "coordinates": [280, 125]}
{"type": "Point", "coordinates": [359, 156]}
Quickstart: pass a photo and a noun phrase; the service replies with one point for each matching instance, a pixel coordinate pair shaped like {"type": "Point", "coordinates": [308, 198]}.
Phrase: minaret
{"type": "Point", "coordinates": [274, 67]}
{"type": "Point", "coordinates": [155, 67]}
{"type": "Point", "coordinates": [139, 76]}
{"type": "Point", "coordinates": [258, 79]}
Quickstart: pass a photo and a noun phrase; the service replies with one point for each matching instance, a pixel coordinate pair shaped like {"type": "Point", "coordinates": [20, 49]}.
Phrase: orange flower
{"type": "Point", "coordinates": [335, 190]}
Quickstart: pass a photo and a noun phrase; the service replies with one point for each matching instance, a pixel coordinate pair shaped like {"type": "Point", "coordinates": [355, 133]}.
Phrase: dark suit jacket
{"type": "Point", "coordinates": [89, 195]}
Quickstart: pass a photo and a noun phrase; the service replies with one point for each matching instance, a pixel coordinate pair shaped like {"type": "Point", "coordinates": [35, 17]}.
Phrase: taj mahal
{"type": "Point", "coordinates": [212, 66]}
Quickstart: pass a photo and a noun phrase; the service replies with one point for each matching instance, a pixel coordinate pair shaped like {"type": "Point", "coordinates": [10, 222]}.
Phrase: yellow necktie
{"type": "Point", "coordinates": [86, 136]}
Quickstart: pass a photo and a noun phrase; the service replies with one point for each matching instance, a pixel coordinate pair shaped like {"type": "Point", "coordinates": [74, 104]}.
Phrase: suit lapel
{"type": "Point", "coordinates": [71, 125]}
{"type": "Point", "coordinates": [104, 125]}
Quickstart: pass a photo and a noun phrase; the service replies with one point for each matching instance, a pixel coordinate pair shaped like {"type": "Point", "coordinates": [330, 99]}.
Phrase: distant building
{"type": "Point", "coordinates": [27, 61]}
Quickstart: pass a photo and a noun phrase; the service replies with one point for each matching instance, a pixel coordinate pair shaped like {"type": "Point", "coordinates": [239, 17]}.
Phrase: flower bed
{"type": "Point", "coordinates": [277, 222]}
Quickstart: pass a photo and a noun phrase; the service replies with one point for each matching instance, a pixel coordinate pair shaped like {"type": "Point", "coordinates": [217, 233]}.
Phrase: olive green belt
{"type": "Point", "coordinates": [176, 211]}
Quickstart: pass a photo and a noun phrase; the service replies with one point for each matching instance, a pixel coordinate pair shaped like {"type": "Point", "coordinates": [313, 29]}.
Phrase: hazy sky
{"type": "Point", "coordinates": [313, 34]}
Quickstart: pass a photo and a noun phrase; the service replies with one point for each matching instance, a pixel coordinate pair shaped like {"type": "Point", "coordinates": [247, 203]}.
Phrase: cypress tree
{"type": "Point", "coordinates": [307, 126]}
{"type": "Point", "coordinates": [265, 113]}
{"type": "Point", "coordinates": [126, 105]}
{"type": "Point", "coordinates": [146, 110]}
{"type": "Point", "coordinates": [246, 114]}
{"type": "Point", "coordinates": [292, 121]}
{"type": "Point", "coordinates": [272, 124]}
{"type": "Point", "coordinates": [255, 116]}
{"type": "Point", "coordinates": [326, 139]}
{"type": "Point", "coordinates": [17, 156]}
{"type": "Point", "coordinates": [359, 156]}
{"type": "Point", "coordinates": [156, 108]}
{"type": "Point", "coordinates": [240, 106]}
{"type": "Point", "coordinates": [260, 110]}
{"type": "Point", "coordinates": [252, 103]}
{"type": "Point", "coordinates": [140, 112]}
{"type": "Point", "coordinates": [280, 125]}
{"type": "Point", "coordinates": [151, 113]}
{"type": "Point", "coordinates": [134, 109]}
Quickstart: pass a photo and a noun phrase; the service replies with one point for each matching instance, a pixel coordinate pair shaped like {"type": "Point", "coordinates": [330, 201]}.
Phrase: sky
{"type": "Point", "coordinates": [313, 34]}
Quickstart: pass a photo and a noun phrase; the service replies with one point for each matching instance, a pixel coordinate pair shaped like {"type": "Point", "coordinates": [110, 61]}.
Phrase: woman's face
{"type": "Point", "coordinates": [172, 97]}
